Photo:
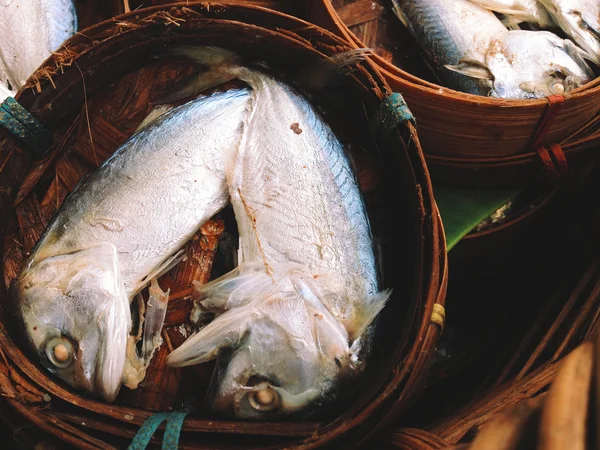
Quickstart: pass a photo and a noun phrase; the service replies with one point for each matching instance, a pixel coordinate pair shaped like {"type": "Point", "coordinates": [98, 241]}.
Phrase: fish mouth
{"type": "Point", "coordinates": [109, 372]}
{"type": "Point", "coordinates": [110, 359]}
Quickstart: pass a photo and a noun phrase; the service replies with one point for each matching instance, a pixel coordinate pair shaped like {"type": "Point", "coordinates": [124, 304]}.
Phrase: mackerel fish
{"type": "Point", "coordinates": [295, 314]}
{"type": "Point", "coordinates": [119, 230]}
{"type": "Point", "coordinates": [473, 52]}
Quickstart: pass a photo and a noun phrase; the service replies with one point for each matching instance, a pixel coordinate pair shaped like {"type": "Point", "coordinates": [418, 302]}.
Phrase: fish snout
{"type": "Point", "coordinates": [112, 353]}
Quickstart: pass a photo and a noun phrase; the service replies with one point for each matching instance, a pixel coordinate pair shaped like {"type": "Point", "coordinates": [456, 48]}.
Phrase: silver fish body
{"type": "Point", "coordinates": [449, 31]}
{"type": "Point", "coordinates": [116, 231]}
{"type": "Point", "coordinates": [517, 11]}
{"type": "Point", "coordinates": [462, 37]}
{"type": "Point", "coordinates": [30, 30]}
{"type": "Point", "coordinates": [307, 284]}
{"type": "Point", "coordinates": [535, 64]}
{"type": "Point", "coordinates": [580, 19]}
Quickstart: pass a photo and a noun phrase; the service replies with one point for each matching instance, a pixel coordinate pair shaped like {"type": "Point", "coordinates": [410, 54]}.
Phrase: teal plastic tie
{"type": "Point", "coordinates": [22, 125]}
{"type": "Point", "coordinates": [173, 430]}
{"type": "Point", "coordinates": [396, 111]}
{"type": "Point", "coordinates": [149, 427]}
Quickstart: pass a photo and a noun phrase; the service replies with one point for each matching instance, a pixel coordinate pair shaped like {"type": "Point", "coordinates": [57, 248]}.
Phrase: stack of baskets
{"type": "Point", "coordinates": [522, 293]}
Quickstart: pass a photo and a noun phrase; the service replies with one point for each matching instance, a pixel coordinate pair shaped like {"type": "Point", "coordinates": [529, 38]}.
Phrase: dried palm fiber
{"type": "Point", "coordinates": [92, 95]}
{"type": "Point", "coordinates": [91, 12]}
{"type": "Point", "coordinates": [293, 7]}
{"type": "Point", "coordinates": [470, 140]}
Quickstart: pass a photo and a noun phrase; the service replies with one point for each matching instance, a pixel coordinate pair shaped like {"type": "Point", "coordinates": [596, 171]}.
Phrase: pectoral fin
{"type": "Point", "coordinates": [399, 13]}
{"type": "Point", "coordinates": [157, 112]}
{"type": "Point", "coordinates": [154, 321]}
{"type": "Point", "coordinates": [471, 68]}
{"type": "Point", "coordinates": [152, 318]}
{"type": "Point", "coordinates": [365, 313]}
{"type": "Point", "coordinates": [227, 330]}
{"type": "Point", "coordinates": [161, 269]}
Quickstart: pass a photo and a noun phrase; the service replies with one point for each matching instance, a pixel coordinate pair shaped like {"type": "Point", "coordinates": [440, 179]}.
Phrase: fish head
{"type": "Point", "coordinates": [535, 64]}
{"type": "Point", "coordinates": [285, 352]}
{"type": "Point", "coordinates": [581, 22]}
{"type": "Point", "coordinates": [75, 314]}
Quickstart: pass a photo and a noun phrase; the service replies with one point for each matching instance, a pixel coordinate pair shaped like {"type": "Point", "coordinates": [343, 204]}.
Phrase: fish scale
{"type": "Point", "coordinates": [30, 31]}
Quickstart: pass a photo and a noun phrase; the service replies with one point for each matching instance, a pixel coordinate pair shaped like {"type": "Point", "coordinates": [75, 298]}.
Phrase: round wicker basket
{"type": "Point", "coordinates": [91, 95]}
{"type": "Point", "coordinates": [471, 140]}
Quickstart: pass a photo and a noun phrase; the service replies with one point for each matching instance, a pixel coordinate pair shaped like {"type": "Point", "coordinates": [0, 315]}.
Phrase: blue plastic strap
{"type": "Point", "coordinates": [173, 430]}
{"type": "Point", "coordinates": [396, 111]}
{"type": "Point", "coordinates": [144, 434]}
{"type": "Point", "coordinates": [149, 427]}
{"type": "Point", "coordinates": [22, 125]}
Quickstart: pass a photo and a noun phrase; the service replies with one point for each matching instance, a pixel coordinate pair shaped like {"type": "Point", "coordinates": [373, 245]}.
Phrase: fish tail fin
{"type": "Point", "coordinates": [511, 22]}
{"type": "Point", "coordinates": [225, 65]}
{"type": "Point", "coordinates": [207, 55]}
{"type": "Point", "coordinates": [365, 313]}
{"type": "Point", "coordinates": [221, 64]}
{"type": "Point", "coordinates": [399, 13]}
{"type": "Point", "coordinates": [325, 72]}
{"type": "Point", "coordinates": [157, 112]}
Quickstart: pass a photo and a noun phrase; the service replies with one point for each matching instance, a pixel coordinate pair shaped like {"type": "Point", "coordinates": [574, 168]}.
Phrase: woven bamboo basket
{"type": "Point", "coordinates": [91, 95]}
{"type": "Point", "coordinates": [470, 140]}
{"type": "Point", "coordinates": [292, 7]}
{"type": "Point", "coordinates": [515, 378]}
{"type": "Point", "coordinates": [519, 237]}
{"type": "Point", "coordinates": [91, 12]}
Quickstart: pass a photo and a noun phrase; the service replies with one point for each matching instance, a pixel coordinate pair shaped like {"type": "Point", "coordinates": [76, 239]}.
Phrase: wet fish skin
{"type": "Point", "coordinates": [517, 11]}
{"type": "Point", "coordinates": [307, 284]}
{"type": "Point", "coordinates": [449, 31]}
{"type": "Point", "coordinates": [580, 19]}
{"type": "Point", "coordinates": [30, 30]}
{"type": "Point", "coordinates": [465, 38]}
{"type": "Point", "coordinates": [535, 64]}
{"type": "Point", "coordinates": [117, 230]}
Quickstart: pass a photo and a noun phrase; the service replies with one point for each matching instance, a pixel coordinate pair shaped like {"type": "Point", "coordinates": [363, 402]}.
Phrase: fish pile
{"type": "Point", "coordinates": [298, 311]}
{"type": "Point", "coordinates": [30, 31]}
{"type": "Point", "coordinates": [472, 50]}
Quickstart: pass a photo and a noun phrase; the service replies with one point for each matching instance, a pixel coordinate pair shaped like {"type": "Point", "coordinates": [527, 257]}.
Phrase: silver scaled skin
{"type": "Point", "coordinates": [31, 31]}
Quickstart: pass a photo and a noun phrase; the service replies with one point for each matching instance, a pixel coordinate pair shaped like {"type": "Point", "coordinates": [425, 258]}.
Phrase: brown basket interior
{"type": "Point", "coordinates": [93, 95]}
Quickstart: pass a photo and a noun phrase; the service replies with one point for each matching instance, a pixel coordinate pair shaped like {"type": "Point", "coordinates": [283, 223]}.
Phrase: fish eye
{"type": "Point", "coordinates": [265, 399]}
{"type": "Point", "coordinates": [60, 352]}
{"type": "Point", "coordinates": [557, 88]}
